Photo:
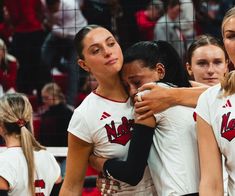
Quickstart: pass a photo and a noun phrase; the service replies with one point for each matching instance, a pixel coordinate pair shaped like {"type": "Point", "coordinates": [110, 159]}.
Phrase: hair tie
{"type": "Point", "coordinates": [21, 123]}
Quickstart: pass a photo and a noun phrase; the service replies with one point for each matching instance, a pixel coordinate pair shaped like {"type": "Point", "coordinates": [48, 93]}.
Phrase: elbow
{"type": "Point", "coordinates": [134, 177]}
{"type": "Point", "coordinates": [210, 189]}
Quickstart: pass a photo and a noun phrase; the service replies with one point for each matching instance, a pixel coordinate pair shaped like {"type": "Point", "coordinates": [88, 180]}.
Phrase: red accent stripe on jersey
{"type": "Point", "coordinates": [111, 99]}
{"type": "Point", "coordinates": [105, 115]}
{"type": "Point", "coordinates": [195, 116]}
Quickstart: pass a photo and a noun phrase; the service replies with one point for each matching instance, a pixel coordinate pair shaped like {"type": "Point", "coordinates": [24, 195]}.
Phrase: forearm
{"type": "Point", "coordinates": [131, 171]}
{"type": "Point", "coordinates": [65, 191]}
{"type": "Point", "coordinates": [208, 190]}
{"type": "Point", "coordinates": [187, 96]}
{"type": "Point", "coordinates": [76, 166]}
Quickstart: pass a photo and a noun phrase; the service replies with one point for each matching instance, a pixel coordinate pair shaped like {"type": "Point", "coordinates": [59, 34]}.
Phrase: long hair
{"type": "Point", "coordinates": [162, 52]}
{"type": "Point", "coordinates": [229, 14]}
{"type": "Point", "coordinates": [227, 83]}
{"type": "Point", "coordinates": [16, 119]}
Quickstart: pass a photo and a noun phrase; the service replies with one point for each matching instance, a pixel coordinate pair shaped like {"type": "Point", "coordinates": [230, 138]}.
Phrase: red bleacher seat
{"type": "Point", "coordinates": [61, 80]}
{"type": "Point", "coordinates": [34, 102]}
{"type": "Point", "coordinates": [36, 125]}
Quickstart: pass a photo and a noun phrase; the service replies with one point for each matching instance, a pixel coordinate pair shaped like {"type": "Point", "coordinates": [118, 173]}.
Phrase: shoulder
{"type": "Point", "coordinates": [212, 92]}
{"type": "Point", "coordinates": [44, 156]}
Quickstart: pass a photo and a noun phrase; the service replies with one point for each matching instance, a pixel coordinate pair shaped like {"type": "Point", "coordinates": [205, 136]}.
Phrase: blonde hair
{"type": "Point", "coordinates": [229, 14]}
{"type": "Point", "coordinates": [55, 91]}
{"type": "Point", "coordinates": [228, 82]}
{"type": "Point", "coordinates": [16, 118]}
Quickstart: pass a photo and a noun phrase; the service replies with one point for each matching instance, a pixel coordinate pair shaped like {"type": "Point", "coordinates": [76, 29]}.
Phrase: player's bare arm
{"type": "Point", "coordinates": [211, 183]}
{"type": "Point", "coordinates": [160, 98]}
{"type": "Point", "coordinates": [76, 165]}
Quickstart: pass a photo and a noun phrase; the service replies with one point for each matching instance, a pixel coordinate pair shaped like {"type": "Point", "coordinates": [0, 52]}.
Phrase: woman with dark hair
{"type": "Point", "coordinates": [103, 123]}
{"type": "Point", "coordinates": [173, 158]}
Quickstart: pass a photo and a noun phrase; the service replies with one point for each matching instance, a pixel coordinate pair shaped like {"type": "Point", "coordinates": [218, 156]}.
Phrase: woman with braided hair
{"type": "Point", "coordinates": [26, 168]}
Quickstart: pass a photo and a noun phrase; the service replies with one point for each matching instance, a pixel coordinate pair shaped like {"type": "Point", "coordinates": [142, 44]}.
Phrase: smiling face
{"type": "Point", "coordinates": [208, 64]}
{"type": "Point", "coordinates": [134, 75]}
{"type": "Point", "coordinates": [102, 54]}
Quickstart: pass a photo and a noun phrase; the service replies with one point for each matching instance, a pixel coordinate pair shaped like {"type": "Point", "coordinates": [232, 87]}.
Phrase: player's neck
{"type": "Point", "coordinates": [12, 141]}
{"type": "Point", "coordinates": [117, 93]}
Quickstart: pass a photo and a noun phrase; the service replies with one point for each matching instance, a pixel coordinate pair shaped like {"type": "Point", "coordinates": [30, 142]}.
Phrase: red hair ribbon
{"type": "Point", "coordinates": [21, 122]}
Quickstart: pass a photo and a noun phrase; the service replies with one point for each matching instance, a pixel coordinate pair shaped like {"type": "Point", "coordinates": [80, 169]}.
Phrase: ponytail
{"type": "Point", "coordinates": [16, 116]}
{"type": "Point", "coordinates": [29, 144]}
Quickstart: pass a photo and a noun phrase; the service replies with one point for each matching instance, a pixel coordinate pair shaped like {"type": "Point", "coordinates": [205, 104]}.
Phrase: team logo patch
{"type": "Point", "coordinates": [227, 127]}
{"type": "Point", "coordinates": [121, 134]}
{"type": "Point", "coordinates": [227, 104]}
{"type": "Point", "coordinates": [105, 115]}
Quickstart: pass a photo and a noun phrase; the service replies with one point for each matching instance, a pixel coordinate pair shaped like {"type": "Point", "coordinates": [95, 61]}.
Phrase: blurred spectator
{"type": "Point", "coordinates": [55, 119]}
{"type": "Point", "coordinates": [6, 29]}
{"type": "Point", "coordinates": [146, 19]}
{"type": "Point", "coordinates": [98, 12]}
{"type": "Point", "coordinates": [126, 24]}
{"type": "Point", "coordinates": [168, 29]}
{"type": "Point", "coordinates": [90, 84]}
{"type": "Point", "coordinates": [187, 17]}
{"type": "Point", "coordinates": [26, 18]}
{"type": "Point", "coordinates": [8, 69]}
{"type": "Point", "coordinates": [63, 18]}
{"type": "Point", "coordinates": [210, 13]}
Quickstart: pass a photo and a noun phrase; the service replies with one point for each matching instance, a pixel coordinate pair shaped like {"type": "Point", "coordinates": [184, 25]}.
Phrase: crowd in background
{"type": "Point", "coordinates": [40, 34]}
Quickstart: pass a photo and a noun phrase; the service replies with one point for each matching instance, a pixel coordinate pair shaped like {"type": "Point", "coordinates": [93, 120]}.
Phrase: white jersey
{"type": "Point", "coordinates": [219, 112]}
{"type": "Point", "coordinates": [108, 125]}
{"type": "Point", "coordinates": [13, 168]}
{"type": "Point", "coordinates": [173, 158]}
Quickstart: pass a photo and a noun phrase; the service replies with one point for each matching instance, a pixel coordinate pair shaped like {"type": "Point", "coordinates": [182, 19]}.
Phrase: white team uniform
{"type": "Point", "coordinates": [173, 158]}
{"type": "Point", "coordinates": [13, 168]}
{"type": "Point", "coordinates": [219, 112]}
{"type": "Point", "coordinates": [108, 125]}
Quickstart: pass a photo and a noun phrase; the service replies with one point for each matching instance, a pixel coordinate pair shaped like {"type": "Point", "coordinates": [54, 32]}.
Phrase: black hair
{"type": "Point", "coordinates": [162, 52]}
{"type": "Point", "coordinates": [79, 37]}
{"type": "Point", "coordinates": [51, 2]}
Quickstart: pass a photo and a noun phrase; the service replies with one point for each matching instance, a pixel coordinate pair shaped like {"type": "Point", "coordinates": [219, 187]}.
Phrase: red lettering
{"type": "Point", "coordinates": [122, 134]}
{"type": "Point", "coordinates": [224, 123]}
{"type": "Point", "coordinates": [41, 185]}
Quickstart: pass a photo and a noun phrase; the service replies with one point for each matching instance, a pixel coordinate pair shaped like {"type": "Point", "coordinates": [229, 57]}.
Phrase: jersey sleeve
{"type": "Point", "coordinates": [78, 126]}
{"type": "Point", "coordinates": [8, 172]}
{"type": "Point", "coordinates": [55, 167]}
{"type": "Point", "coordinates": [202, 108]}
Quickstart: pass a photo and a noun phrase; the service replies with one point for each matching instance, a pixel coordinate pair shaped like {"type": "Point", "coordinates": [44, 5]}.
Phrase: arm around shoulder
{"type": "Point", "coordinates": [161, 98]}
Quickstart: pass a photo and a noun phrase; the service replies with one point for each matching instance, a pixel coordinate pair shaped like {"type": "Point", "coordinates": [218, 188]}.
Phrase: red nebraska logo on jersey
{"type": "Point", "coordinates": [121, 134]}
{"type": "Point", "coordinates": [227, 127]}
